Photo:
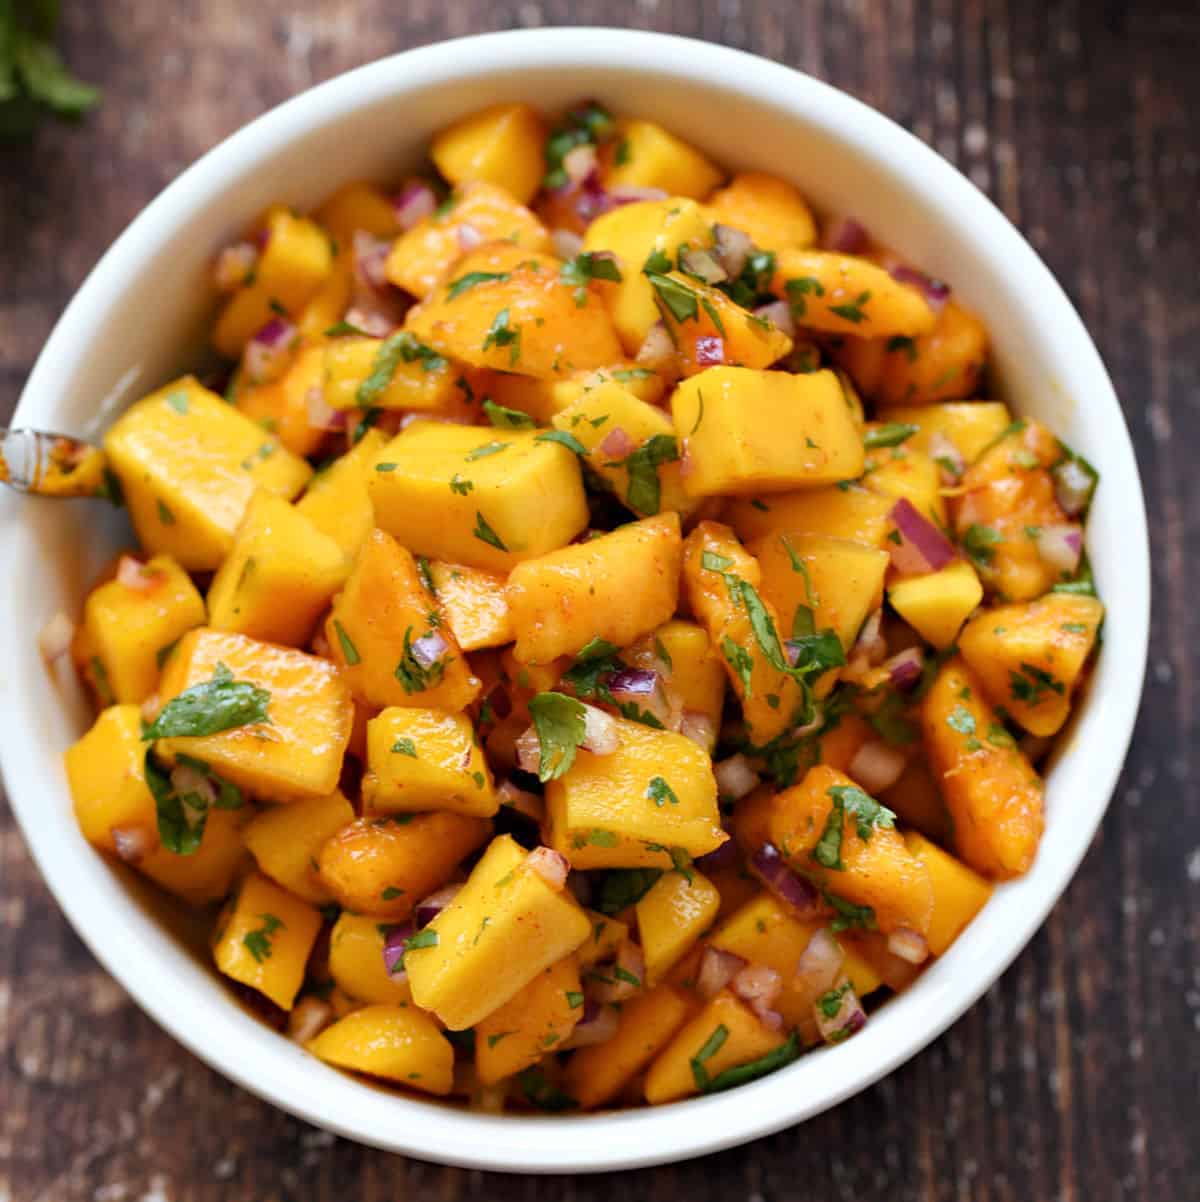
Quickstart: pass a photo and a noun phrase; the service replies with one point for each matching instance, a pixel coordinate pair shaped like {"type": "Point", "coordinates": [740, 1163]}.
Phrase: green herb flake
{"type": "Point", "coordinates": [258, 942]}
{"type": "Point", "coordinates": [488, 448]}
{"type": "Point", "coordinates": [852, 311]}
{"type": "Point", "coordinates": [473, 278]}
{"type": "Point", "coordinates": [962, 720]}
{"type": "Point", "coordinates": [391, 893]}
{"type": "Point", "coordinates": [741, 662]}
{"type": "Point", "coordinates": [660, 792]}
{"type": "Point", "coordinates": [674, 297]}
{"type": "Point", "coordinates": [405, 747]}
{"type": "Point", "coordinates": [459, 486]}
{"type": "Point", "coordinates": [979, 543]}
{"type": "Point", "coordinates": [1032, 684]}
{"type": "Point", "coordinates": [413, 676]}
{"type": "Point", "coordinates": [559, 722]}
{"type": "Point", "coordinates": [564, 439]}
{"type": "Point", "coordinates": [578, 272]}
{"type": "Point", "coordinates": [711, 1046]}
{"type": "Point", "coordinates": [849, 801]}
{"type": "Point", "coordinates": [644, 494]}
{"type": "Point", "coordinates": [486, 534]}
{"type": "Point", "coordinates": [625, 887]}
{"type": "Point", "coordinates": [507, 419]}
{"type": "Point", "coordinates": [210, 707]}
{"type": "Point", "coordinates": [799, 289]}
{"type": "Point", "coordinates": [349, 650]}
{"type": "Point", "coordinates": [742, 1074]}
{"type": "Point", "coordinates": [397, 348]}
{"type": "Point", "coordinates": [501, 334]}
{"type": "Point", "coordinates": [543, 1095]}
{"type": "Point", "coordinates": [901, 343]}
{"type": "Point", "coordinates": [891, 434]}
{"type": "Point", "coordinates": [164, 514]}
{"type": "Point", "coordinates": [574, 999]}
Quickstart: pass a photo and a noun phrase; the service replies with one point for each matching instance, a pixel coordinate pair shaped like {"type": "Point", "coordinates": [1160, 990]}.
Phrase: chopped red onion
{"type": "Point", "coordinates": [234, 266]}
{"type": "Point", "coordinates": [499, 702]}
{"type": "Point", "coordinates": [320, 415]}
{"type": "Point", "coordinates": [699, 728]}
{"type": "Point", "coordinates": [846, 236]}
{"type": "Point", "coordinates": [377, 320]}
{"type": "Point", "coordinates": [529, 805]}
{"type": "Point", "coordinates": [726, 856]}
{"type": "Point", "coordinates": [908, 945]}
{"type": "Point", "coordinates": [936, 292]}
{"type": "Point", "coordinates": [132, 574]}
{"type": "Point", "coordinates": [267, 354]}
{"type": "Point", "coordinates": [307, 1019]}
{"type": "Point", "coordinates": [717, 969]}
{"type": "Point", "coordinates": [599, 1023]}
{"type": "Point", "coordinates": [877, 766]}
{"type": "Point", "coordinates": [370, 259]}
{"type": "Point", "coordinates": [624, 194]}
{"type": "Point", "coordinates": [759, 987]}
{"type": "Point", "coordinates": [710, 351]}
{"type": "Point", "coordinates": [468, 236]}
{"type": "Point", "coordinates": [847, 1020]}
{"type": "Point", "coordinates": [54, 639]}
{"type": "Point", "coordinates": [733, 248]}
{"type": "Point", "coordinates": [657, 351]}
{"type": "Point", "coordinates": [923, 548]}
{"type": "Point", "coordinates": [428, 908]}
{"type": "Point", "coordinates": [550, 865]}
{"type": "Point", "coordinates": [624, 978]}
{"type": "Point", "coordinates": [819, 964]}
{"type": "Point", "coordinates": [187, 780]}
{"type": "Point", "coordinates": [617, 444]}
{"type": "Point", "coordinates": [393, 950]}
{"type": "Point", "coordinates": [415, 201]}
{"type": "Point", "coordinates": [947, 456]}
{"type": "Point", "coordinates": [1061, 547]}
{"type": "Point", "coordinates": [870, 647]}
{"type": "Point", "coordinates": [633, 682]}
{"type": "Point", "coordinates": [905, 667]}
{"type": "Point", "coordinates": [799, 894]}
{"type": "Point", "coordinates": [566, 244]}
{"type": "Point", "coordinates": [701, 264]}
{"type": "Point", "coordinates": [600, 735]}
{"type": "Point", "coordinates": [779, 314]}
{"type": "Point", "coordinates": [529, 750]}
{"type": "Point", "coordinates": [261, 238]}
{"type": "Point", "coordinates": [579, 162]}
{"type": "Point", "coordinates": [430, 649]}
{"type": "Point", "coordinates": [1073, 486]}
{"type": "Point", "coordinates": [132, 843]}
{"type": "Point", "coordinates": [735, 777]}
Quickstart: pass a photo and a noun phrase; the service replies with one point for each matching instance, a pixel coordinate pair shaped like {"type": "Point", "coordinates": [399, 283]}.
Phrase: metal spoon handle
{"type": "Point", "coordinates": [51, 465]}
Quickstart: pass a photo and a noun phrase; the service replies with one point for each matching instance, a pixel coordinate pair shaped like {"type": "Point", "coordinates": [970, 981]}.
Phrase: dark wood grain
{"type": "Point", "coordinates": [1076, 1079]}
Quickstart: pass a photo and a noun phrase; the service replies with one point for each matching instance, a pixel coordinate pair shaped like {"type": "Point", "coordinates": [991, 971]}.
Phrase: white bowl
{"type": "Point", "coordinates": [132, 326]}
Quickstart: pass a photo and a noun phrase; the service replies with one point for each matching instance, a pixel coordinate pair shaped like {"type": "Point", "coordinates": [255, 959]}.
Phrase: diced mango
{"type": "Point", "coordinates": [844, 511]}
{"type": "Point", "coordinates": [993, 793]}
{"type": "Point", "coordinates": [958, 893]}
{"type": "Point", "coordinates": [358, 206]}
{"type": "Point", "coordinates": [644, 155]}
{"type": "Point", "coordinates": [501, 144]}
{"type": "Point", "coordinates": [281, 406]}
{"type": "Point", "coordinates": [531, 1024]}
{"type": "Point", "coordinates": [356, 960]}
{"type": "Point", "coordinates": [265, 939]}
{"type": "Point", "coordinates": [937, 603]}
{"type": "Point", "coordinates": [397, 1043]}
{"type": "Point", "coordinates": [206, 875]}
{"type": "Point", "coordinates": [607, 935]}
{"type": "Point", "coordinates": [767, 208]}
{"type": "Point", "coordinates": [383, 613]}
{"type": "Point", "coordinates": [971, 426]}
{"type": "Point", "coordinates": [384, 866]}
{"type": "Point", "coordinates": [501, 496]}
{"type": "Point", "coordinates": [654, 795]}
{"type": "Point", "coordinates": [1029, 657]}
{"type": "Point", "coordinates": [672, 916]}
{"type": "Point", "coordinates": [902, 472]}
{"type": "Point", "coordinates": [426, 759]}
{"type": "Point", "coordinates": [336, 500]}
{"type": "Point", "coordinates": [188, 464]}
{"type": "Point", "coordinates": [918, 801]}
{"type": "Point", "coordinates": [474, 605]}
{"type": "Point", "coordinates": [683, 654]}
{"type": "Point", "coordinates": [132, 626]}
{"type": "Point", "coordinates": [285, 841]}
{"type": "Point", "coordinates": [615, 587]}
{"type": "Point", "coordinates": [299, 753]}
{"type": "Point", "coordinates": [278, 577]}
{"type": "Point", "coordinates": [397, 372]}
{"type": "Point", "coordinates": [502, 929]}
{"type": "Point", "coordinates": [747, 431]}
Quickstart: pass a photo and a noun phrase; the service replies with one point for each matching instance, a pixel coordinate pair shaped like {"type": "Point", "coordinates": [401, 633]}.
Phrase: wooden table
{"type": "Point", "coordinates": [1075, 1078]}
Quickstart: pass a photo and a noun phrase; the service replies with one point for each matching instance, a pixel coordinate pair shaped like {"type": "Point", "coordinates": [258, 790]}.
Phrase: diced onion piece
{"type": "Point", "coordinates": [600, 735]}
{"type": "Point", "coordinates": [793, 890]}
{"type": "Point", "coordinates": [468, 236]}
{"type": "Point", "coordinates": [735, 777]}
{"type": "Point", "coordinates": [550, 865]}
{"type": "Point", "coordinates": [813, 725]}
{"type": "Point", "coordinates": [642, 687]}
{"type": "Point", "coordinates": [308, 1018]}
{"type": "Point", "coordinates": [947, 456]}
{"type": "Point", "coordinates": [566, 244]}
{"type": "Point", "coordinates": [717, 969]}
{"type": "Point", "coordinates": [923, 548]}
{"type": "Point", "coordinates": [905, 667]}
{"type": "Point", "coordinates": [132, 843]}
{"type": "Point", "coordinates": [132, 574]}
{"type": "Point", "coordinates": [657, 351]}
{"type": "Point", "coordinates": [428, 908]}
{"type": "Point", "coordinates": [1061, 546]}
{"type": "Point", "coordinates": [877, 765]}
{"type": "Point", "coordinates": [370, 259]}
{"type": "Point", "coordinates": [413, 203]}
{"type": "Point", "coordinates": [54, 639]}
{"type": "Point", "coordinates": [779, 314]}
{"type": "Point", "coordinates": [819, 965]}
{"type": "Point", "coordinates": [699, 728]}
{"type": "Point", "coordinates": [624, 978]}
{"type": "Point", "coordinates": [758, 982]}
{"type": "Point", "coordinates": [187, 780]}
{"type": "Point", "coordinates": [393, 950]}
{"type": "Point", "coordinates": [320, 415]}
{"type": "Point", "coordinates": [579, 162]}
{"type": "Point", "coordinates": [846, 236]}
{"type": "Point", "coordinates": [847, 1020]}
{"type": "Point", "coordinates": [726, 856]}
{"type": "Point", "coordinates": [234, 266]}
{"type": "Point", "coordinates": [870, 646]}
{"type": "Point", "coordinates": [150, 707]}
{"type": "Point", "coordinates": [709, 350]}
{"type": "Point", "coordinates": [267, 354]}
{"type": "Point", "coordinates": [701, 264]}
{"type": "Point", "coordinates": [617, 444]}
{"type": "Point", "coordinates": [598, 1024]}
{"type": "Point", "coordinates": [1073, 486]}
{"type": "Point", "coordinates": [936, 292]}
{"type": "Point", "coordinates": [529, 750]}
{"type": "Point", "coordinates": [430, 649]}
{"type": "Point", "coordinates": [733, 248]}
{"type": "Point", "coordinates": [908, 945]}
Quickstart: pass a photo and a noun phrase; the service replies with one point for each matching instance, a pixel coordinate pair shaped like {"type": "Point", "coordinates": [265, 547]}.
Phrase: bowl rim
{"type": "Point", "coordinates": [277, 1071]}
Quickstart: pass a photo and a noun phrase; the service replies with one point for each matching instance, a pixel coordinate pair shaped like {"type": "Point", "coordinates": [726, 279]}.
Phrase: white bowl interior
{"type": "Point", "coordinates": [139, 319]}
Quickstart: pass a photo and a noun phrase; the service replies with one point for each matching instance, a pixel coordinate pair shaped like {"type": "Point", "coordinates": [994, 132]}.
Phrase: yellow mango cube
{"type": "Point", "coordinates": [767, 208]}
{"type": "Point", "coordinates": [295, 261]}
{"type": "Point", "coordinates": [724, 1035]}
{"type": "Point", "coordinates": [299, 752]}
{"type": "Point", "coordinates": [531, 1024]}
{"type": "Point", "coordinates": [281, 406]}
{"type": "Point", "coordinates": [396, 1043]}
{"type": "Point", "coordinates": [286, 839]}
{"type": "Point", "coordinates": [336, 500]}
{"type": "Point", "coordinates": [426, 759]}
{"type": "Point", "coordinates": [615, 587]}
{"type": "Point", "coordinates": [356, 960]}
{"type": "Point", "coordinates": [672, 916]}
{"type": "Point", "coordinates": [265, 938]}
{"type": "Point", "coordinates": [644, 155]}
{"type": "Point", "coordinates": [501, 144]}
{"type": "Point", "coordinates": [385, 631]}
{"type": "Point", "coordinates": [358, 206]}
{"type": "Point", "coordinates": [474, 605]}
{"type": "Point", "coordinates": [188, 465]}
{"type": "Point", "coordinates": [1029, 656]}
{"type": "Point", "coordinates": [607, 935]}
{"type": "Point", "coordinates": [397, 372]}
{"type": "Point", "coordinates": [683, 653]}
{"type": "Point", "coordinates": [132, 624]}
{"type": "Point", "coordinates": [652, 798]}
{"type": "Point", "coordinates": [206, 875]}
{"type": "Point", "coordinates": [902, 472]}
{"type": "Point", "coordinates": [501, 496]}
{"type": "Point", "coordinates": [936, 604]}
{"type": "Point", "coordinates": [848, 512]}
{"type": "Point", "coordinates": [746, 431]}
{"type": "Point", "coordinates": [420, 256]}
{"type": "Point", "coordinates": [617, 430]}
{"type": "Point", "coordinates": [970, 425]}
{"type": "Point", "coordinates": [502, 929]}
{"type": "Point", "coordinates": [278, 577]}
{"type": "Point", "coordinates": [958, 893]}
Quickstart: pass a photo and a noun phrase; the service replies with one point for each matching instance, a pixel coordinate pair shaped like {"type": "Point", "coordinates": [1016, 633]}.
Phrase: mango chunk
{"type": "Point", "coordinates": [958, 893]}
{"type": "Point", "coordinates": [848, 512]}
{"type": "Point", "coordinates": [531, 1024]}
{"type": "Point", "coordinates": [672, 916]}
{"type": "Point", "coordinates": [384, 866]}
{"type": "Point", "coordinates": [188, 464]}
{"type": "Point", "coordinates": [971, 426]}
{"type": "Point", "coordinates": [724, 1035]}
{"type": "Point", "coordinates": [132, 623]}
{"type": "Point", "coordinates": [1029, 657]}
{"type": "Point", "coordinates": [419, 258]}
{"type": "Point", "coordinates": [597, 1074]}
{"type": "Point", "coordinates": [206, 875]}
{"type": "Point", "coordinates": [336, 500]}
{"type": "Point", "coordinates": [501, 144]}
{"type": "Point", "coordinates": [265, 939]}
{"type": "Point", "coordinates": [397, 372]}
{"type": "Point", "coordinates": [544, 399]}
{"type": "Point", "coordinates": [614, 587]}
{"type": "Point", "coordinates": [936, 605]}
{"type": "Point", "coordinates": [299, 752]}
{"type": "Point", "coordinates": [501, 496]}
{"type": "Point", "coordinates": [607, 935]}
{"type": "Point", "coordinates": [397, 1043]}
{"type": "Point", "coordinates": [683, 654]}
{"type": "Point", "coordinates": [474, 604]}
{"type": "Point", "coordinates": [905, 472]}
{"type": "Point", "coordinates": [505, 926]}
{"type": "Point", "coordinates": [993, 793]}
{"type": "Point", "coordinates": [278, 577]}
{"type": "Point", "coordinates": [644, 155]}
{"type": "Point", "coordinates": [652, 798]}
{"type": "Point", "coordinates": [285, 841]}
{"type": "Point", "coordinates": [356, 960]}
{"type": "Point", "coordinates": [767, 208]}
{"type": "Point", "coordinates": [385, 631]}
{"type": "Point", "coordinates": [747, 431]}
{"type": "Point", "coordinates": [281, 406]}
{"type": "Point", "coordinates": [358, 206]}
{"type": "Point", "coordinates": [426, 759]}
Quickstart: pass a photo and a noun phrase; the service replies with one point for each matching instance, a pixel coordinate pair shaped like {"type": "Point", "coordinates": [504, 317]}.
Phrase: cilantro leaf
{"type": "Point", "coordinates": [397, 348]}
{"type": "Point", "coordinates": [507, 419]}
{"type": "Point", "coordinates": [660, 792]}
{"type": "Point", "coordinates": [470, 280]}
{"type": "Point", "coordinates": [210, 707]}
{"type": "Point", "coordinates": [644, 494]}
{"type": "Point", "coordinates": [741, 1074]}
{"type": "Point", "coordinates": [979, 543]}
{"type": "Point", "coordinates": [892, 434]}
{"type": "Point", "coordinates": [560, 725]}
{"type": "Point", "coordinates": [711, 1046]}
{"type": "Point", "coordinates": [563, 438]}
{"type": "Point", "coordinates": [585, 267]}
{"type": "Point", "coordinates": [742, 663]}
{"type": "Point", "coordinates": [675, 297]}
{"type": "Point", "coordinates": [180, 825]}
{"type": "Point", "coordinates": [486, 534]}
{"type": "Point", "coordinates": [624, 887]}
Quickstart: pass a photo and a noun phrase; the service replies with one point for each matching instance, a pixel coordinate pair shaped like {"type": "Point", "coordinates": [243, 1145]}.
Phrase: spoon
{"type": "Point", "coordinates": [52, 465]}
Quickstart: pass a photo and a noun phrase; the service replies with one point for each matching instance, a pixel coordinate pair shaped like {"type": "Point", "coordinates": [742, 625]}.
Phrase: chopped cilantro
{"type": "Point", "coordinates": [465, 282]}
{"type": "Point", "coordinates": [349, 651]}
{"type": "Point", "coordinates": [210, 707]}
{"type": "Point", "coordinates": [1031, 684]}
{"type": "Point", "coordinates": [892, 434]}
{"type": "Point", "coordinates": [258, 942]}
{"type": "Point", "coordinates": [501, 334]}
{"type": "Point", "coordinates": [405, 747]}
{"type": "Point", "coordinates": [852, 311]}
{"type": "Point", "coordinates": [711, 1046]}
{"type": "Point", "coordinates": [660, 792]}
{"type": "Point", "coordinates": [459, 486]}
{"type": "Point", "coordinates": [486, 534]}
{"type": "Point", "coordinates": [567, 440]}
{"type": "Point", "coordinates": [559, 722]}
{"type": "Point", "coordinates": [507, 419]}
{"type": "Point", "coordinates": [979, 541]}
